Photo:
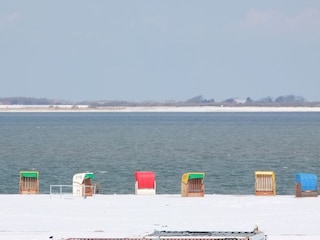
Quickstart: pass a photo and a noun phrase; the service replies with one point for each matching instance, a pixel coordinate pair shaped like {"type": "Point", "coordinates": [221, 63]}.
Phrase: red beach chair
{"type": "Point", "coordinates": [145, 183]}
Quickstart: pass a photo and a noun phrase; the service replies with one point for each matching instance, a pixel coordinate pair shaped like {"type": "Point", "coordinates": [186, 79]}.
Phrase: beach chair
{"type": "Point", "coordinates": [29, 182]}
{"type": "Point", "coordinates": [145, 183]}
{"type": "Point", "coordinates": [192, 184]}
{"type": "Point", "coordinates": [265, 183]}
{"type": "Point", "coordinates": [82, 185]}
{"type": "Point", "coordinates": [306, 185]}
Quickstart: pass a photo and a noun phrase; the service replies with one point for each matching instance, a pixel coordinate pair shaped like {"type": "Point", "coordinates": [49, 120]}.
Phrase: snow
{"type": "Point", "coordinates": [41, 216]}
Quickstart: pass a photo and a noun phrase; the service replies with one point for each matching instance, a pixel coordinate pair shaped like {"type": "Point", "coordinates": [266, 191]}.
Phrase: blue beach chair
{"type": "Point", "coordinates": [306, 185]}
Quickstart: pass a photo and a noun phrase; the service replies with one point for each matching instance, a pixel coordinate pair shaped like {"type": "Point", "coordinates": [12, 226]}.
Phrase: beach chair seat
{"type": "Point", "coordinates": [29, 182]}
{"type": "Point", "coordinates": [265, 183]}
{"type": "Point", "coordinates": [306, 185]}
{"type": "Point", "coordinates": [145, 183]}
{"type": "Point", "coordinates": [192, 184]}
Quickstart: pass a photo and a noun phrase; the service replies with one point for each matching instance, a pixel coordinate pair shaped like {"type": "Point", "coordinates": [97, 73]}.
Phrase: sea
{"type": "Point", "coordinates": [227, 147]}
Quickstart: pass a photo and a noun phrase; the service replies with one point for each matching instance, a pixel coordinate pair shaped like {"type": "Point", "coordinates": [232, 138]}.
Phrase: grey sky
{"type": "Point", "coordinates": [159, 50]}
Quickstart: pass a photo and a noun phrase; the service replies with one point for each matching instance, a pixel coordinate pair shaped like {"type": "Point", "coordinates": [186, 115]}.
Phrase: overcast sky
{"type": "Point", "coordinates": [159, 50]}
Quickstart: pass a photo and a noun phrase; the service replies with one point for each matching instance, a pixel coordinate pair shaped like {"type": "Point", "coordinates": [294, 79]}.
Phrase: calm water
{"type": "Point", "coordinates": [228, 147]}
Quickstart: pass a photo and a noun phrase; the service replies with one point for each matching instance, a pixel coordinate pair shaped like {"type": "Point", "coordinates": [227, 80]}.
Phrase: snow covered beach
{"type": "Point", "coordinates": [280, 217]}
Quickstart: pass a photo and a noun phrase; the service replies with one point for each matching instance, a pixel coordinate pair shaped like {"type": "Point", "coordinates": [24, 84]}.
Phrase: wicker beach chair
{"type": "Point", "coordinates": [192, 184]}
{"type": "Point", "coordinates": [265, 183]}
{"type": "Point", "coordinates": [29, 182]}
{"type": "Point", "coordinates": [306, 185]}
{"type": "Point", "coordinates": [82, 185]}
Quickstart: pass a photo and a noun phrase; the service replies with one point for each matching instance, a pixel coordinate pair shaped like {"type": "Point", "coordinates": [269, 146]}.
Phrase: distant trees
{"type": "Point", "coordinates": [289, 99]}
{"type": "Point", "coordinates": [31, 101]}
{"type": "Point", "coordinates": [265, 100]}
{"type": "Point", "coordinates": [286, 99]}
{"type": "Point", "coordinates": [199, 100]}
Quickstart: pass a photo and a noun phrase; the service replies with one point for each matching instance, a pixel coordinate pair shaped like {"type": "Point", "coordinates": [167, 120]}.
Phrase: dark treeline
{"type": "Point", "coordinates": [287, 100]}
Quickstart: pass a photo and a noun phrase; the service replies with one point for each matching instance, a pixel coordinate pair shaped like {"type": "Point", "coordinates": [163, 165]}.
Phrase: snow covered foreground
{"type": "Point", "coordinates": [102, 216]}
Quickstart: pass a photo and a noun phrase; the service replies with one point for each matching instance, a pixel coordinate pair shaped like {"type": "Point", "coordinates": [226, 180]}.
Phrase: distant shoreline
{"type": "Point", "coordinates": [85, 108]}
